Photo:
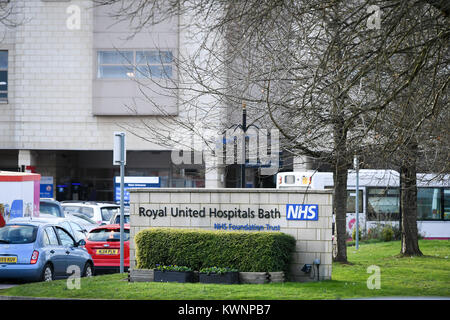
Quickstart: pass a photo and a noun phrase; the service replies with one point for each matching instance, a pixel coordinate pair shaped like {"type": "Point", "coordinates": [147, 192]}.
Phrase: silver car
{"type": "Point", "coordinates": [100, 212]}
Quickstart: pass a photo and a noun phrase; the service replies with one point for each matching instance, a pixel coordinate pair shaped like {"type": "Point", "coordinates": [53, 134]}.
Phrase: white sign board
{"type": "Point", "coordinates": [118, 147]}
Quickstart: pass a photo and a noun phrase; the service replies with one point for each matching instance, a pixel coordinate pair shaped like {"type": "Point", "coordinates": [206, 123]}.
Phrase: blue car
{"type": "Point", "coordinates": [39, 250]}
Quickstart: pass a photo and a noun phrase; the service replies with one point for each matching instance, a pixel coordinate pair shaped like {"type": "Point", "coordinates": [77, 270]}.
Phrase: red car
{"type": "Point", "coordinates": [103, 244]}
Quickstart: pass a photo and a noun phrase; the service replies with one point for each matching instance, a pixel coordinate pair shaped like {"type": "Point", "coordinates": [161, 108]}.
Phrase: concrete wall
{"type": "Point", "coordinates": [52, 82]}
{"type": "Point", "coordinates": [112, 96]}
{"type": "Point", "coordinates": [313, 237]}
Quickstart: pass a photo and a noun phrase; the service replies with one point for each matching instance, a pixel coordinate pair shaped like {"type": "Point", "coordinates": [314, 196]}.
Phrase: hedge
{"type": "Point", "coordinates": [197, 249]}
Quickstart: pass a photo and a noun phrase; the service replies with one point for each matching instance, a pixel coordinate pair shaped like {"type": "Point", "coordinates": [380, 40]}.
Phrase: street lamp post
{"type": "Point", "coordinates": [244, 131]}
{"type": "Point", "coordinates": [119, 158]}
{"type": "Point", "coordinates": [244, 128]}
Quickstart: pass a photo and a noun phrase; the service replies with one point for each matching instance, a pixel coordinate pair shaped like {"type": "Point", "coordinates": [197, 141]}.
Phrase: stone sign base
{"type": "Point", "coordinates": [147, 275]}
{"type": "Point", "coordinates": [306, 215]}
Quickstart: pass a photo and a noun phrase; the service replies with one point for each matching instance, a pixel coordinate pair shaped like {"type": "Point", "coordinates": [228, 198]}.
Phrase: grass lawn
{"type": "Point", "coordinates": [418, 276]}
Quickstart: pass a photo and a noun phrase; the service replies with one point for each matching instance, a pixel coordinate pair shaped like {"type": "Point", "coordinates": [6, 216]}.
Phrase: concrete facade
{"type": "Point", "coordinates": [313, 237]}
{"type": "Point", "coordinates": [57, 103]}
{"type": "Point", "coordinates": [53, 90]}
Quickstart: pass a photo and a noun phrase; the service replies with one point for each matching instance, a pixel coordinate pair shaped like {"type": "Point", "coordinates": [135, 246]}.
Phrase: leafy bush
{"type": "Point", "coordinates": [375, 232]}
{"type": "Point", "coordinates": [354, 234]}
{"type": "Point", "coordinates": [387, 234]}
{"type": "Point", "coordinates": [197, 249]}
{"type": "Point", "coordinates": [217, 270]}
{"type": "Point", "coordinates": [172, 268]}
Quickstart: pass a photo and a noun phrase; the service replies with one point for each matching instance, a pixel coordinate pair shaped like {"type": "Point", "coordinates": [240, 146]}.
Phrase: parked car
{"type": "Point", "coordinates": [70, 223]}
{"type": "Point", "coordinates": [82, 220]}
{"type": "Point", "coordinates": [51, 207]}
{"type": "Point", "coordinates": [100, 212]}
{"type": "Point", "coordinates": [116, 218]}
{"type": "Point", "coordinates": [40, 250]}
{"type": "Point", "coordinates": [103, 244]}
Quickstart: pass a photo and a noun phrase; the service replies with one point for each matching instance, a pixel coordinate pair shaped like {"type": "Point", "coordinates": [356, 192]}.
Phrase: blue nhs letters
{"type": "Point", "coordinates": [302, 212]}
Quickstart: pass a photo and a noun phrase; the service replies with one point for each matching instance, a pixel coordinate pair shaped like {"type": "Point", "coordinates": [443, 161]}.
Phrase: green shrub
{"type": "Point", "coordinates": [354, 234]}
{"type": "Point", "coordinates": [217, 270]}
{"type": "Point", "coordinates": [197, 249]}
{"type": "Point", "coordinates": [397, 233]}
{"type": "Point", "coordinates": [172, 268]}
{"type": "Point", "coordinates": [387, 234]}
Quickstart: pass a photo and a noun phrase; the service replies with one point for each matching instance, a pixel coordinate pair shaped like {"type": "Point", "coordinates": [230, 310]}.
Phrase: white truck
{"type": "Point", "coordinates": [19, 194]}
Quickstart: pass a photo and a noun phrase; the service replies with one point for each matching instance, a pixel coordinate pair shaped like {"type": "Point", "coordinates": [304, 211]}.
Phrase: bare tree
{"type": "Point", "coordinates": [311, 69]}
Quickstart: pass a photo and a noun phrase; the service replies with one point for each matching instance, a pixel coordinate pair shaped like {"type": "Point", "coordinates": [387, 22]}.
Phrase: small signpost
{"type": "Point", "coordinates": [120, 158]}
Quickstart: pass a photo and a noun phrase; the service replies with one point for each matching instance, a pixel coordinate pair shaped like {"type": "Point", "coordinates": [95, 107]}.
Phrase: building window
{"type": "Point", "coordinates": [383, 204]}
{"type": "Point", "coordinates": [446, 204]}
{"type": "Point", "coordinates": [140, 64]}
{"type": "Point", "coordinates": [154, 64]}
{"type": "Point", "coordinates": [3, 76]}
{"type": "Point", "coordinates": [433, 204]}
{"type": "Point", "coordinates": [351, 201]}
{"type": "Point", "coordinates": [115, 64]}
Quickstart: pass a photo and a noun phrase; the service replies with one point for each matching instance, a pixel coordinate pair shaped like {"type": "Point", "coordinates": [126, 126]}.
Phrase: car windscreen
{"type": "Point", "coordinates": [49, 208]}
{"type": "Point", "coordinates": [108, 212]}
{"type": "Point", "coordinates": [108, 235]}
{"type": "Point", "coordinates": [71, 209]}
{"type": "Point", "coordinates": [18, 234]}
{"type": "Point", "coordinates": [126, 219]}
{"type": "Point", "coordinates": [83, 219]}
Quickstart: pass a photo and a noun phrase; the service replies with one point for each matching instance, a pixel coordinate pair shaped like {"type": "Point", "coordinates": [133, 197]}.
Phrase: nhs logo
{"type": "Point", "coordinates": [302, 212]}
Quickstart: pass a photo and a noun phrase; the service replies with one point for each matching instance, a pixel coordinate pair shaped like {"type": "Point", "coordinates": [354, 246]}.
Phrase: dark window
{"type": "Point", "coordinates": [108, 235]}
{"type": "Point", "coordinates": [18, 234]}
{"type": "Point", "coordinates": [351, 201]}
{"type": "Point", "coordinates": [289, 179]}
{"type": "Point", "coordinates": [83, 217]}
{"type": "Point", "coordinates": [66, 239]}
{"type": "Point", "coordinates": [429, 204]}
{"type": "Point", "coordinates": [108, 212]}
{"type": "Point", "coordinates": [67, 226]}
{"type": "Point", "coordinates": [88, 212]}
{"type": "Point", "coordinates": [383, 204]}
{"type": "Point", "coordinates": [53, 240]}
{"type": "Point", "coordinates": [3, 75]}
{"type": "Point", "coordinates": [77, 231]}
{"type": "Point", "coordinates": [446, 204]}
{"type": "Point", "coordinates": [45, 239]}
{"type": "Point", "coordinates": [70, 209]}
{"type": "Point", "coordinates": [49, 208]}
{"type": "Point", "coordinates": [126, 219]}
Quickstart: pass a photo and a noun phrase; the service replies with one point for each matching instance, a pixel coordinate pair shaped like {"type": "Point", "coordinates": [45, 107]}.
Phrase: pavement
{"type": "Point", "coordinates": [7, 285]}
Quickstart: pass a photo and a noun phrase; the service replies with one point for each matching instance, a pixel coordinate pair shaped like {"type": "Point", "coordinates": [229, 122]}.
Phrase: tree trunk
{"type": "Point", "coordinates": [340, 211]}
{"type": "Point", "coordinates": [408, 199]}
{"type": "Point", "coordinates": [340, 190]}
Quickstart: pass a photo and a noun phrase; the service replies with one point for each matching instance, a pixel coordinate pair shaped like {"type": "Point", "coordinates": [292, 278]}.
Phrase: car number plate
{"type": "Point", "coordinates": [8, 259]}
{"type": "Point", "coordinates": [107, 251]}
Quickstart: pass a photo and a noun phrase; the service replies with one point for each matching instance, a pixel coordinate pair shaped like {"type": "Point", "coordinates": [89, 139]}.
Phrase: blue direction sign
{"type": "Point", "coordinates": [132, 183]}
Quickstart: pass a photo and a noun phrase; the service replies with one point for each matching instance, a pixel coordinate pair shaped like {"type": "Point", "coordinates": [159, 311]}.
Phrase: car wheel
{"type": "Point", "coordinates": [88, 271]}
{"type": "Point", "coordinates": [47, 273]}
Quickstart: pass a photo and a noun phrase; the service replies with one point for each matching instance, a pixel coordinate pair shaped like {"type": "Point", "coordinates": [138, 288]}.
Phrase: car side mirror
{"type": "Point", "coordinates": [80, 243]}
